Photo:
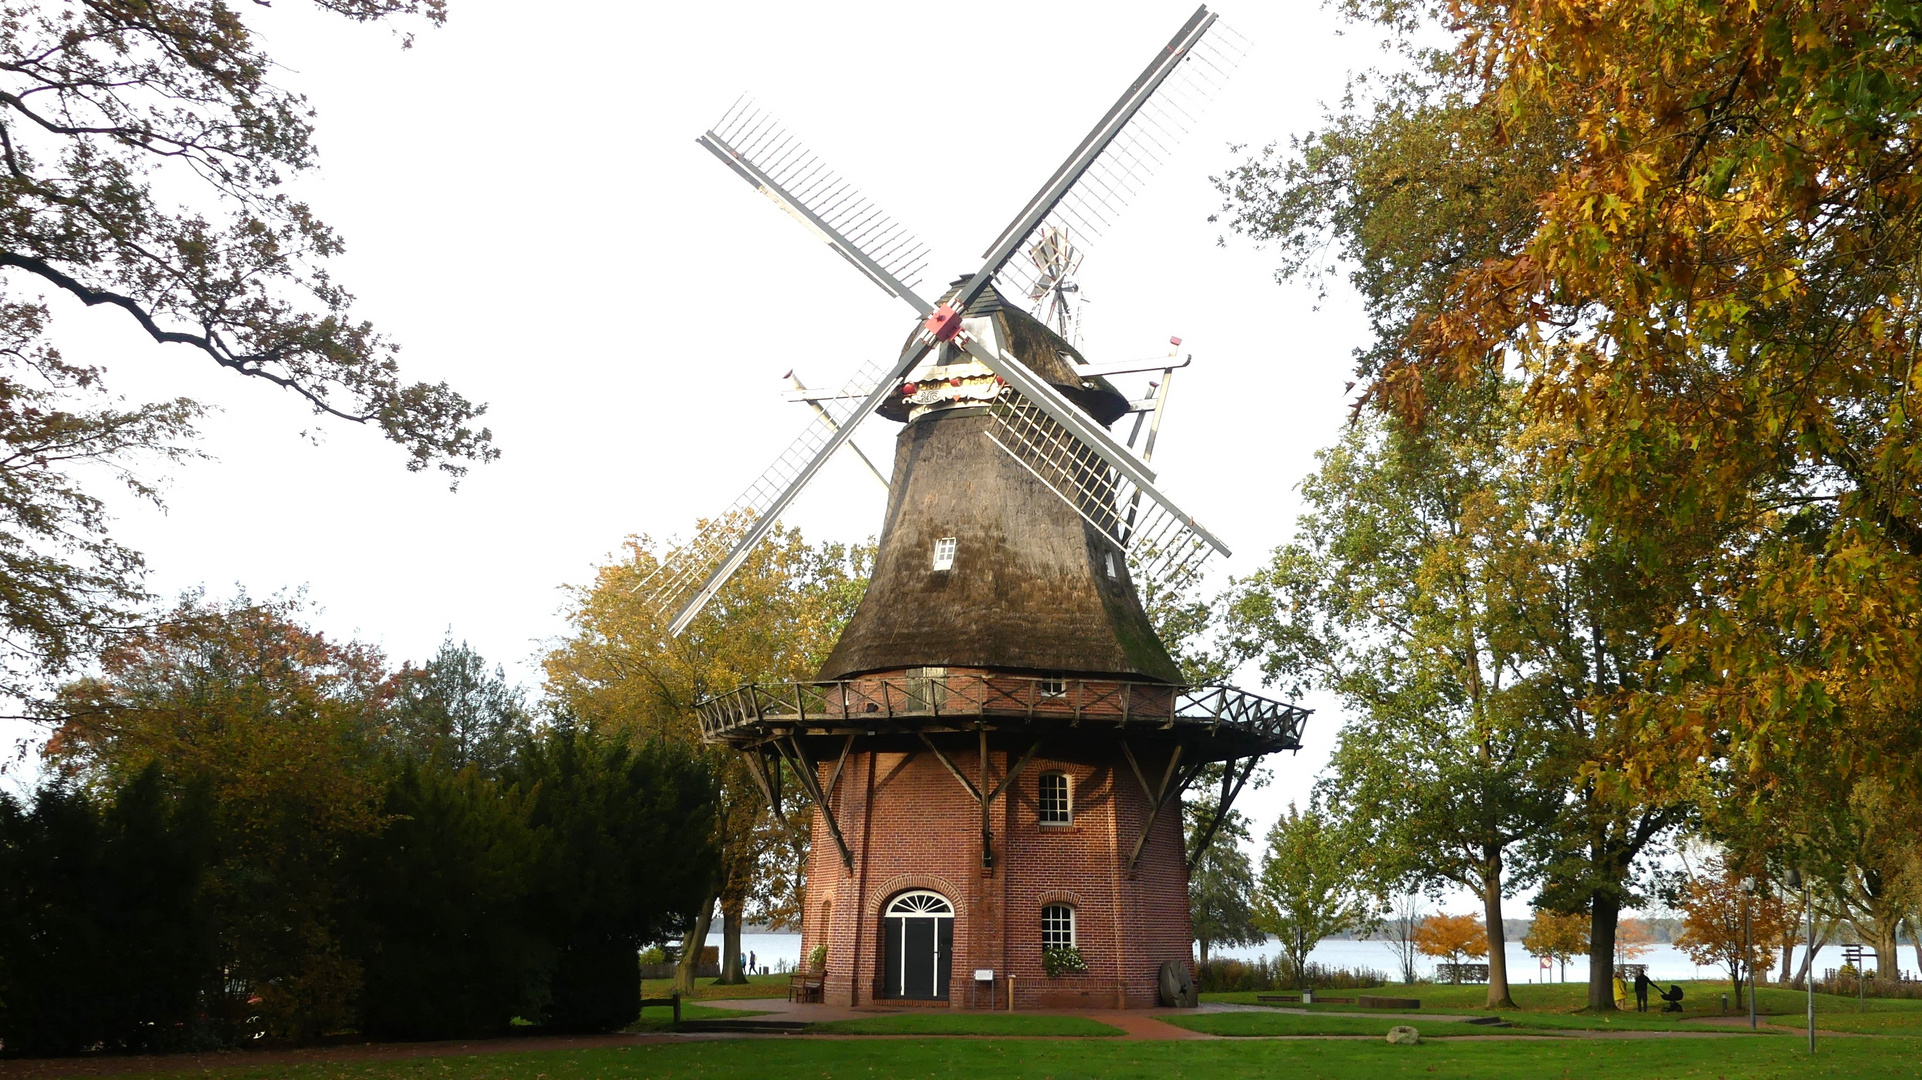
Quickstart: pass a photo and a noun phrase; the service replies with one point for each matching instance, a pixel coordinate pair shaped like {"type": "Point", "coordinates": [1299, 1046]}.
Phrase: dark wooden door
{"type": "Point", "coordinates": [918, 958]}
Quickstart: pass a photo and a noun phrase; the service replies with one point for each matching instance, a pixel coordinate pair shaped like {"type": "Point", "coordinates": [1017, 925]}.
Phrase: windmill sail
{"type": "Point", "coordinates": [1163, 544]}
{"type": "Point", "coordinates": [689, 575]}
{"type": "Point", "coordinates": [761, 150]}
{"type": "Point", "coordinates": [1117, 158]}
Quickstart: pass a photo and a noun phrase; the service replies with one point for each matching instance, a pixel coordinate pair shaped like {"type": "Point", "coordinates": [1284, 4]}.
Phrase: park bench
{"type": "Point", "coordinates": [674, 1001]}
{"type": "Point", "coordinates": [806, 986]}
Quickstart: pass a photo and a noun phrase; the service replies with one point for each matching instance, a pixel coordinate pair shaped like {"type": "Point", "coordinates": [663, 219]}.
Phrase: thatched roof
{"type": "Point", "coordinates": [1029, 589]}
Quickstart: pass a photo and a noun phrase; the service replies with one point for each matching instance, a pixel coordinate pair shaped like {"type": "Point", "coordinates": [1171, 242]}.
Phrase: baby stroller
{"type": "Point", "coordinates": [1672, 999]}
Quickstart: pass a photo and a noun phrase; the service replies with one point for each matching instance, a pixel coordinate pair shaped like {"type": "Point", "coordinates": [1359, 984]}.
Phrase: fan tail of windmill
{"type": "Point", "coordinates": [1145, 141]}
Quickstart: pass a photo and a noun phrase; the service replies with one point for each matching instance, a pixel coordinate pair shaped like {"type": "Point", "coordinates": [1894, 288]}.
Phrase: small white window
{"type": "Point", "coordinates": [944, 553]}
{"type": "Point", "coordinates": [1051, 688]}
{"type": "Point", "coordinates": [1055, 800]}
{"type": "Point", "coordinates": [1109, 559]}
{"type": "Point", "coordinates": [1057, 927]}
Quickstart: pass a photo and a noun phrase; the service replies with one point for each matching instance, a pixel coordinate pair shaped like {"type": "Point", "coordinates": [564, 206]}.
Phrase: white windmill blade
{"type": "Point", "coordinates": [1161, 542]}
{"type": "Point", "coordinates": [690, 575]}
{"type": "Point", "coordinates": [761, 151]}
{"type": "Point", "coordinates": [1117, 158]}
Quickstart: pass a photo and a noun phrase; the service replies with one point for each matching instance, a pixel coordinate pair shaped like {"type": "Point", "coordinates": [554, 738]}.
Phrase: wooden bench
{"type": "Point", "coordinates": [806, 986]}
{"type": "Point", "coordinates": [1271, 998]}
{"type": "Point", "coordinates": [675, 1001]}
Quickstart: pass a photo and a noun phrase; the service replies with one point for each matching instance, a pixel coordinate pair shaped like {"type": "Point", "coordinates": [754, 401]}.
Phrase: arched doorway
{"type": "Point", "coordinates": [918, 930]}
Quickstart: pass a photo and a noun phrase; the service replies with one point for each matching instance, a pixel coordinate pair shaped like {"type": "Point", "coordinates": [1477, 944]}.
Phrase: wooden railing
{"type": "Point", "coordinates": [854, 702]}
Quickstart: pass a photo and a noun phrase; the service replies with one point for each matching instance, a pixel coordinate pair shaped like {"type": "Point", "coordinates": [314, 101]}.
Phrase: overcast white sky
{"type": "Point", "coordinates": [527, 212]}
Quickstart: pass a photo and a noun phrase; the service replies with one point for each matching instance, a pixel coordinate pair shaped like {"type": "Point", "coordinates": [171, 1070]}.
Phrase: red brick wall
{"type": "Point", "coordinates": [910, 825]}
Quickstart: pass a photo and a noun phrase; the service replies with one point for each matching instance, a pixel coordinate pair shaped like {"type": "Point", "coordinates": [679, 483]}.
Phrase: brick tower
{"type": "Point", "coordinates": [997, 748]}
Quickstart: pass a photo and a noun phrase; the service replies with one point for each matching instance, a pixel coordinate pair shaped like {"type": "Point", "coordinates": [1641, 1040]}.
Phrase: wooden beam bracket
{"type": "Point", "coordinates": [1158, 794]}
{"type": "Point", "coordinates": [791, 748]}
{"type": "Point", "coordinates": [1232, 781]}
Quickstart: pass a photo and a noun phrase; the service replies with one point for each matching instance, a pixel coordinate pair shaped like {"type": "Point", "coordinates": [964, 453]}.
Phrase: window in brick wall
{"type": "Point", "coordinates": [1057, 927]}
{"type": "Point", "coordinates": [1057, 807]}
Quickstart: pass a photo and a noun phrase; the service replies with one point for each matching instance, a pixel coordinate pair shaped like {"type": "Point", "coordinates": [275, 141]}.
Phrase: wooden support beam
{"type": "Point", "coordinates": [973, 792]}
{"type": "Point", "coordinates": [1157, 796]}
{"type": "Point", "coordinates": [1014, 771]}
{"type": "Point", "coordinates": [1232, 781]}
{"type": "Point", "coordinates": [834, 778]}
{"type": "Point", "coordinates": [987, 826]}
{"type": "Point", "coordinates": [804, 769]}
{"type": "Point", "coordinates": [770, 785]}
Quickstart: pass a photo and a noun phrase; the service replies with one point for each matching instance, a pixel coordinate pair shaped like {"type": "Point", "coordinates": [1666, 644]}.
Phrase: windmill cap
{"type": "Point", "coordinates": [1035, 344]}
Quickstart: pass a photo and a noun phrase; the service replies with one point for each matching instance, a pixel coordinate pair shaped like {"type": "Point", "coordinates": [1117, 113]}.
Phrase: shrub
{"type": "Point", "coordinates": [1262, 974]}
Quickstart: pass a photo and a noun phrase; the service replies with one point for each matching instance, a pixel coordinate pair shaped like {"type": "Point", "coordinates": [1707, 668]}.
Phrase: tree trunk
{"type": "Point", "coordinates": [1603, 911]}
{"type": "Point", "coordinates": [1887, 957]}
{"type": "Point", "coordinates": [1915, 939]}
{"type": "Point", "coordinates": [731, 972]}
{"type": "Point", "coordinates": [1498, 996]}
{"type": "Point", "coordinates": [1788, 959]}
{"type": "Point", "coordinates": [1203, 942]}
{"type": "Point", "coordinates": [691, 945]}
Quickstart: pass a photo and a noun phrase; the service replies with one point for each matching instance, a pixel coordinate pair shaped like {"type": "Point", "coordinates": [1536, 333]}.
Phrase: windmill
{"type": "Point", "coordinates": [997, 747]}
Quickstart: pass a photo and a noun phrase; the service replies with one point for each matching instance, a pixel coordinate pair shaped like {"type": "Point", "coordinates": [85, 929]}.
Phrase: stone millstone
{"type": "Point", "coordinates": [1177, 989]}
{"type": "Point", "coordinates": [1403, 1035]}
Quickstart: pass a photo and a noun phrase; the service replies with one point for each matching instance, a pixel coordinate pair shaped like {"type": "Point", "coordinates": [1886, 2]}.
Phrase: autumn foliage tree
{"type": "Point", "coordinates": [277, 725]}
{"type": "Point", "coordinates": [145, 156]}
{"type": "Point", "coordinates": [355, 848]}
{"type": "Point", "coordinates": [1454, 938]}
{"type": "Point", "coordinates": [1557, 936]}
{"type": "Point", "coordinates": [1711, 281]}
{"type": "Point", "coordinates": [775, 620]}
{"type": "Point", "coordinates": [1731, 922]}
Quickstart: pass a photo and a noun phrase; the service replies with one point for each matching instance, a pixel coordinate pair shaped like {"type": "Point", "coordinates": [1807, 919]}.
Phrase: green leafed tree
{"type": "Point", "coordinates": [1221, 887]}
{"type": "Point", "coordinates": [1402, 594]}
{"type": "Point", "coordinates": [102, 939]}
{"type": "Point", "coordinates": [454, 709]}
{"type": "Point", "coordinates": [145, 153]}
{"type": "Point", "coordinates": [1309, 888]}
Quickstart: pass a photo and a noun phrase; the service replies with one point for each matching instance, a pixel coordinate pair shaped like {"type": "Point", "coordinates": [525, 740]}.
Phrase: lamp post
{"type": "Point", "coordinates": [1808, 975]}
{"type": "Point", "coordinates": [1748, 947]}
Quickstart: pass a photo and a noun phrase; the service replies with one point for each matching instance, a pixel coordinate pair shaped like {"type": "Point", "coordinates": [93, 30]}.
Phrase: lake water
{"type": "Point", "coordinates": [1665, 962]}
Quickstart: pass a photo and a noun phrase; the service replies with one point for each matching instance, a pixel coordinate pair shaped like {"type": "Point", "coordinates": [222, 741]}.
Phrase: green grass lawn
{"type": "Point", "coordinates": [1107, 1059]}
{"type": "Point", "coordinates": [661, 1017]}
{"type": "Point", "coordinates": [961, 1023]}
{"type": "Point", "coordinates": [757, 986]}
{"type": "Point", "coordinates": [1289, 1023]}
{"type": "Point", "coordinates": [1559, 1005]}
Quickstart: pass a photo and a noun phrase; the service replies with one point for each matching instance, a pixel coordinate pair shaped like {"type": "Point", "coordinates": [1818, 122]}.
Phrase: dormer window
{"type": "Point", "coordinates": [944, 553]}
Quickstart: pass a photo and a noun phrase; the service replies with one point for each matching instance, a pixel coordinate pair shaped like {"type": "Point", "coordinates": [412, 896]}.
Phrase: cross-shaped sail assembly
{"type": "Point", "coordinates": [1064, 447]}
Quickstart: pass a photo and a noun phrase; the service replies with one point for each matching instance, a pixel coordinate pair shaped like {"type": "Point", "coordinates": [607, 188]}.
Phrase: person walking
{"type": "Point", "coordinates": [751, 969]}
{"type": "Point", "coordinates": [1641, 989]}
